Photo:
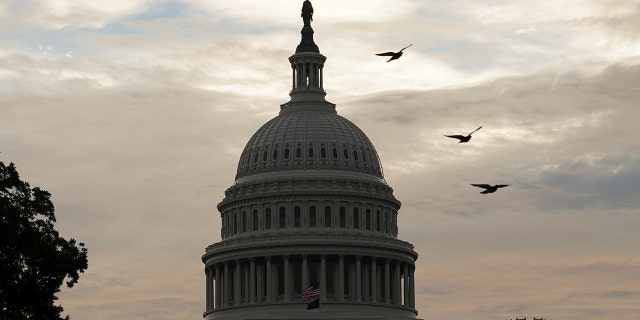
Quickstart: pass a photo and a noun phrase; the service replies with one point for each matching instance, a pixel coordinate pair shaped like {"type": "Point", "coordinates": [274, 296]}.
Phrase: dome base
{"type": "Point", "coordinates": [327, 310]}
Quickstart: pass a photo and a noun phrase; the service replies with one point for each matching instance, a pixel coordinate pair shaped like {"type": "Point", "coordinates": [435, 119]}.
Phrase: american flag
{"type": "Point", "coordinates": [311, 292]}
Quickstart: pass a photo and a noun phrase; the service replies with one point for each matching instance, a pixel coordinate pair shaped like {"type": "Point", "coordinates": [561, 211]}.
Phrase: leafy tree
{"type": "Point", "coordinates": [34, 259]}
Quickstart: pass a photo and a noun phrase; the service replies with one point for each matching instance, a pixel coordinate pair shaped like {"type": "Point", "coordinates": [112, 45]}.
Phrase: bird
{"type": "Point", "coordinates": [394, 55]}
{"type": "Point", "coordinates": [463, 138]}
{"type": "Point", "coordinates": [489, 188]}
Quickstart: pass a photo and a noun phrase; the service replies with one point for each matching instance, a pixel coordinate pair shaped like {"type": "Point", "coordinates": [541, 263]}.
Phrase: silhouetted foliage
{"type": "Point", "coordinates": [34, 259]}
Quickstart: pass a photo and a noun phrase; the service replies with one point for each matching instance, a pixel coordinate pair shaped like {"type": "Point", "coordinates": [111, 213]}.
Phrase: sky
{"type": "Point", "coordinates": [133, 114]}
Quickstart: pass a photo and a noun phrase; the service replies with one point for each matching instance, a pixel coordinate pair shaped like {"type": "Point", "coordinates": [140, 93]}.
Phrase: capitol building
{"type": "Point", "coordinates": [309, 206]}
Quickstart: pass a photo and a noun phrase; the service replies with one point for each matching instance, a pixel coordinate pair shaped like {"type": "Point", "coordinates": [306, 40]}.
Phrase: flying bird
{"type": "Point", "coordinates": [463, 138]}
{"type": "Point", "coordinates": [489, 188]}
{"type": "Point", "coordinates": [394, 55]}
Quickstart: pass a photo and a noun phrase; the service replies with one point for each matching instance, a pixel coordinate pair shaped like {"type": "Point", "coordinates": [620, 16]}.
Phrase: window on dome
{"type": "Point", "coordinates": [364, 157]}
{"type": "Point", "coordinates": [345, 153]}
{"type": "Point", "coordinates": [275, 154]}
{"type": "Point", "coordinates": [355, 155]}
{"type": "Point", "coordinates": [255, 157]}
{"type": "Point", "coordinates": [255, 220]}
{"type": "Point", "coordinates": [312, 216]}
{"type": "Point", "coordinates": [267, 219]}
{"type": "Point", "coordinates": [297, 217]}
{"type": "Point", "coordinates": [356, 218]}
{"type": "Point", "coordinates": [264, 156]}
{"type": "Point", "coordinates": [244, 221]}
{"type": "Point", "coordinates": [335, 153]}
{"type": "Point", "coordinates": [343, 217]}
{"type": "Point", "coordinates": [327, 217]}
{"type": "Point", "coordinates": [367, 221]}
{"type": "Point", "coordinates": [283, 218]}
{"type": "Point", "coordinates": [286, 153]}
{"type": "Point", "coordinates": [310, 152]}
{"type": "Point", "coordinates": [298, 152]}
{"type": "Point", "coordinates": [235, 223]}
{"type": "Point", "coordinates": [377, 220]}
{"type": "Point", "coordinates": [224, 225]}
{"type": "Point", "coordinates": [386, 221]}
{"type": "Point", "coordinates": [323, 152]}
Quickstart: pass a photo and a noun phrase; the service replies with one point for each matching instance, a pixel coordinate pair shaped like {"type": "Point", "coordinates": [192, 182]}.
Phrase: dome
{"type": "Point", "coordinates": [309, 207]}
{"type": "Point", "coordinates": [311, 136]}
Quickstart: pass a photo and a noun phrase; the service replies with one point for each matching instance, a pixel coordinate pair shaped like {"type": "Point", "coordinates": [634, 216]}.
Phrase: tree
{"type": "Point", "coordinates": [34, 259]}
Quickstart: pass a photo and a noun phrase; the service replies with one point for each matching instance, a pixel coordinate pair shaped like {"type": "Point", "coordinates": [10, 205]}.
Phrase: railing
{"type": "Point", "coordinates": [309, 238]}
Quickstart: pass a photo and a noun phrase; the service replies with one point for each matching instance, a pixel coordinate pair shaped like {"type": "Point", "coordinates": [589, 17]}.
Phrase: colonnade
{"type": "Point", "coordinates": [307, 75]}
{"type": "Point", "coordinates": [281, 278]}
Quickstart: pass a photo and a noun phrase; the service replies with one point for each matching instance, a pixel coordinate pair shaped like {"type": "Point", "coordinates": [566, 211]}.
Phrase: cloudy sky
{"type": "Point", "coordinates": [133, 114]}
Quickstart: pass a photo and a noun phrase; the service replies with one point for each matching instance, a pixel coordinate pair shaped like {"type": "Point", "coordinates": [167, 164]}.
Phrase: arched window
{"type": "Point", "coordinates": [327, 217]}
{"type": "Point", "coordinates": [310, 152]}
{"type": "Point", "coordinates": [367, 221]}
{"type": "Point", "coordinates": [264, 156]}
{"type": "Point", "coordinates": [334, 153]}
{"type": "Point", "coordinates": [283, 218]}
{"type": "Point", "coordinates": [275, 154]}
{"type": "Point", "coordinates": [298, 152]}
{"type": "Point", "coordinates": [343, 217]}
{"type": "Point", "coordinates": [286, 153]}
{"type": "Point", "coordinates": [235, 223]}
{"type": "Point", "coordinates": [267, 219]}
{"type": "Point", "coordinates": [255, 157]}
{"type": "Point", "coordinates": [323, 152]}
{"type": "Point", "coordinates": [355, 155]}
{"type": "Point", "coordinates": [255, 220]}
{"type": "Point", "coordinates": [297, 217]}
{"type": "Point", "coordinates": [244, 221]}
{"type": "Point", "coordinates": [345, 153]}
{"type": "Point", "coordinates": [356, 218]}
{"type": "Point", "coordinates": [225, 218]}
{"type": "Point", "coordinates": [364, 157]}
{"type": "Point", "coordinates": [312, 216]}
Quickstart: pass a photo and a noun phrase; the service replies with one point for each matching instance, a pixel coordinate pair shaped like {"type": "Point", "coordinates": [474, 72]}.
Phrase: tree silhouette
{"type": "Point", "coordinates": [34, 259]}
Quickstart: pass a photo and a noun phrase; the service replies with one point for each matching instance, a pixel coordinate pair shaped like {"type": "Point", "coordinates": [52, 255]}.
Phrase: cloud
{"type": "Point", "coordinates": [139, 133]}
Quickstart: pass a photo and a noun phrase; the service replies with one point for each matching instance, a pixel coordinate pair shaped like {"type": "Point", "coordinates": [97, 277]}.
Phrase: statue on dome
{"type": "Point", "coordinates": [307, 12]}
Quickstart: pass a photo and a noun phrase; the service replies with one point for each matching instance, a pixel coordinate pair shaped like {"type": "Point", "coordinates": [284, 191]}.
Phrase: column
{"type": "Point", "coordinates": [209, 284]}
{"type": "Point", "coordinates": [287, 279]}
{"type": "Point", "coordinates": [387, 282]}
{"type": "Point", "coordinates": [374, 280]}
{"type": "Point", "coordinates": [226, 285]}
{"type": "Point", "coordinates": [260, 271]}
{"type": "Point", "coordinates": [218, 294]}
{"type": "Point", "coordinates": [252, 281]}
{"type": "Point", "coordinates": [358, 278]}
{"type": "Point", "coordinates": [397, 284]}
{"type": "Point", "coordinates": [340, 277]}
{"type": "Point", "coordinates": [245, 273]}
{"type": "Point", "coordinates": [366, 284]}
{"type": "Point", "coordinates": [323, 277]}
{"type": "Point", "coordinates": [406, 285]}
{"type": "Point", "coordinates": [269, 280]}
{"type": "Point", "coordinates": [236, 284]}
{"type": "Point", "coordinates": [305, 272]}
{"type": "Point", "coordinates": [412, 291]}
{"type": "Point", "coordinates": [293, 77]}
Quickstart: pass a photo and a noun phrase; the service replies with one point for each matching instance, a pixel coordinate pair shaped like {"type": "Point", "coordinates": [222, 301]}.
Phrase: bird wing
{"type": "Point", "coordinates": [385, 54]}
{"type": "Point", "coordinates": [475, 130]}
{"type": "Point", "coordinates": [456, 136]}
{"type": "Point", "coordinates": [406, 47]}
{"type": "Point", "coordinates": [502, 185]}
{"type": "Point", "coordinates": [486, 186]}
